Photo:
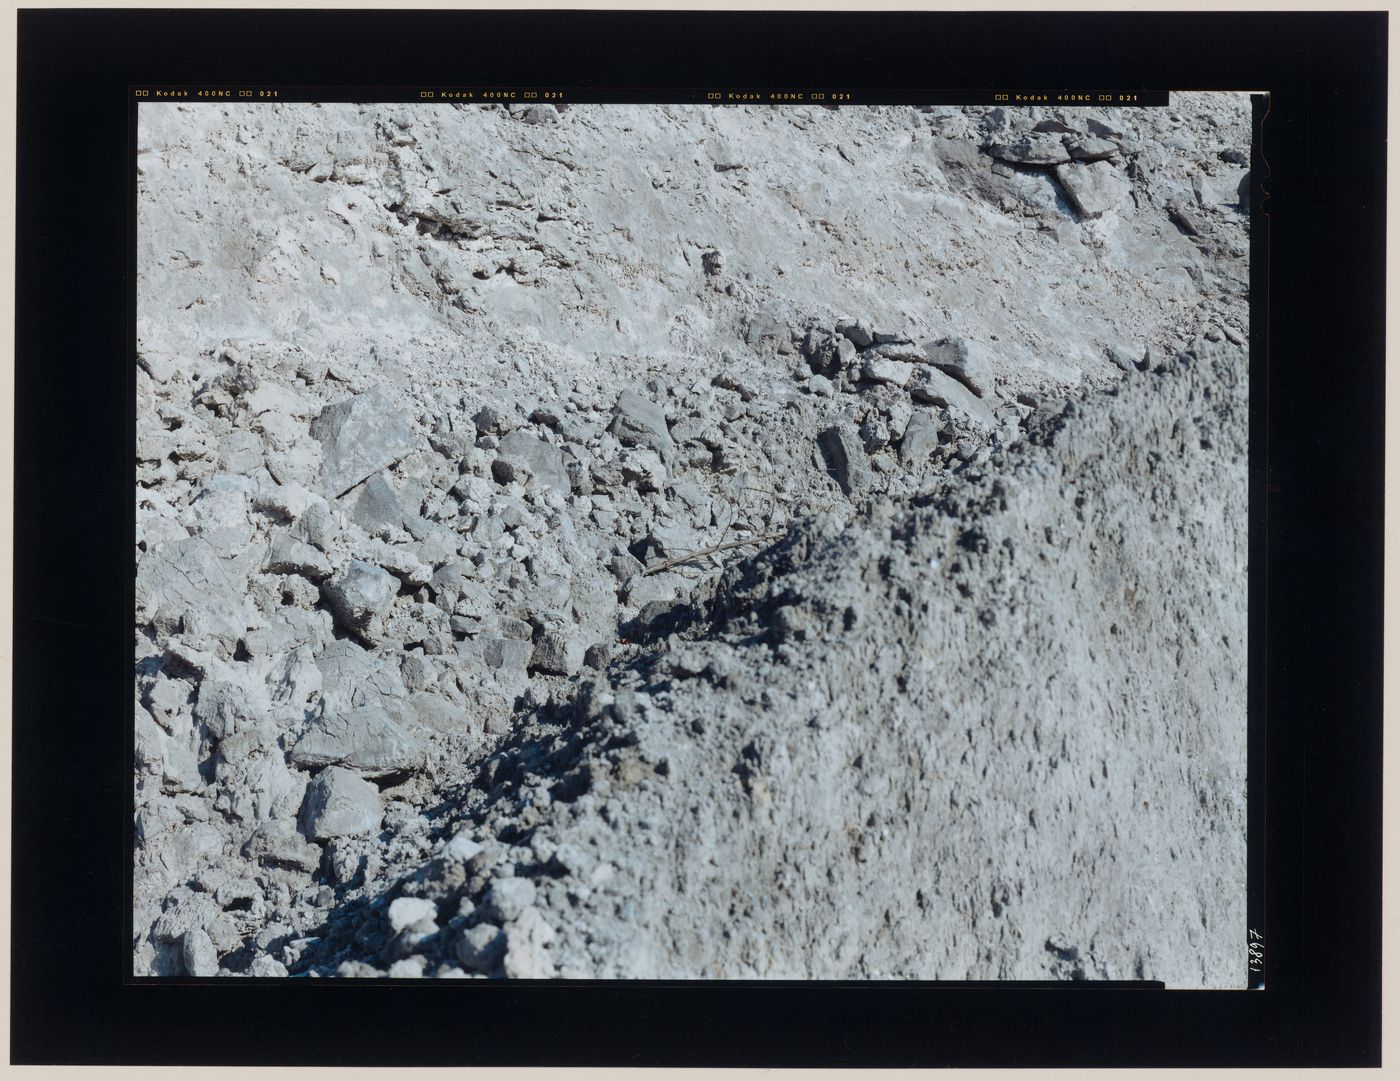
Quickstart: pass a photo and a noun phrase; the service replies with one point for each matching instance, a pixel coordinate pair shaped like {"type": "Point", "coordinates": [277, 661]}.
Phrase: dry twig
{"type": "Point", "coordinates": [675, 561]}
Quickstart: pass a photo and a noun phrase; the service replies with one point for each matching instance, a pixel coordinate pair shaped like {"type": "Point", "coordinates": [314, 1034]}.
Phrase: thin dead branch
{"type": "Point", "coordinates": [675, 561]}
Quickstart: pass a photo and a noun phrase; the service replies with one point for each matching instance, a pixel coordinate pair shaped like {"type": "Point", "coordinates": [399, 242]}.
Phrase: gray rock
{"type": "Point", "coordinates": [856, 331]}
{"type": "Point", "coordinates": [317, 526]}
{"type": "Point", "coordinates": [439, 714]}
{"type": "Point", "coordinates": [674, 538]}
{"type": "Point", "coordinates": [968, 361]}
{"type": "Point", "coordinates": [545, 460]}
{"type": "Point", "coordinates": [365, 740]}
{"type": "Point", "coordinates": [412, 913]}
{"type": "Point", "coordinates": [1032, 149]}
{"type": "Point", "coordinates": [198, 953]}
{"type": "Point", "coordinates": [376, 507]}
{"type": "Point", "coordinates": [226, 709]}
{"type": "Point", "coordinates": [508, 898]}
{"type": "Point", "coordinates": [267, 967]}
{"type": "Point", "coordinates": [519, 629]}
{"type": "Point", "coordinates": [506, 653]}
{"type": "Point", "coordinates": [400, 562]}
{"type": "Point", "coordinates": [763, 325]}
{"type": "Point", "coordinates": [240, 452]}
{"type": "Point", "coordinates": [845, 458]}
{"type": "Point", "coordinates": [1183, 219]}
{"type": "Point", "coordinates": [557, 653]}
{"type": "Point", "coordinates": [920, 437]}
{"type": "Point", "coordinates": [1091, 149]}
{"type": "Point", "coordinates": [640, 422]}
{"type": "Point", "coordinates": [187, 574]}
{"type": "Point", "coordinates": [1127, 359]}
{"type": "Point", "coordinates": [288, 555]}
{"type": "Point", "coordinates": [352, 676]}
{"type": "Point", "coordinates": [527, 939]}
{"type": "Point", "coordinates": [462, 847]}
{"type": "Point", "coordinates": [360, 436]}
{"type": "Point", "coordinates": [358, 594]}
{"type": "Point", "coordinates": [344, 860]}
{"type": "Point", "coordinates": [903, 350]}
{"type": "Point", "coordinates": [490, 421]}
{"type": "Point", "coordinates": [1100, 130]}
{"type": "Point", "coordinates": [481, 948]}
{"type": "Point", "coordinates": [878, 369]}
{"type": "Point", "coordinates": [340, 804]}
{"type": "Point", "coordinates": [278, 844]}
{"type": "Point", "coordinates": [938, 388]}
{"type": "Point", "coordinates": [457, 588]}
{"type": "Point", "coordinates": [1094, 188]}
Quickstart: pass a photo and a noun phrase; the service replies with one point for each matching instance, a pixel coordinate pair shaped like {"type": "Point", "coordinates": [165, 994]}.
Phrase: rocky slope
{"type": "Point", "coordinates": [440, 413]}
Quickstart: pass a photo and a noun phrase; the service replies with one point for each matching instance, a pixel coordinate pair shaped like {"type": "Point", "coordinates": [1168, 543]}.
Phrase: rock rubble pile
{"type": "Point", "coordinates": [597, 542]}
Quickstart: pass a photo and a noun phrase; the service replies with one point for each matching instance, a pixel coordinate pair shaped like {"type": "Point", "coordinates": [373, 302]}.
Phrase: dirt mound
{"type": "Point", "coordinates": [993, 732]}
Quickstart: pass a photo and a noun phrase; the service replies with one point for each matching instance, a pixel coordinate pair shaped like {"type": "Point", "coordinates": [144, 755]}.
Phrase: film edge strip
{"type": "Point", "coordinates": [497, 95]}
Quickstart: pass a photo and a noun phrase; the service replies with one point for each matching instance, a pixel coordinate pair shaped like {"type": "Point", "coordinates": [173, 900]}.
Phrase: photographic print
{"type": "Point", "coordinates": [799, 540]}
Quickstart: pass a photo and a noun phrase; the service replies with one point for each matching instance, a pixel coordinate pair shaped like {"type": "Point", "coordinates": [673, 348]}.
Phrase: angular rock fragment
{"type": "Point", "coordinates": [226, 709]}
{"type": "Point", "coordinates": [352, 676]}
{"type": "Point", "coordinates": [365, 740]}
{"type": "Point", "coordinates": [317, 526]}
{"type": "Point", "coordinates": [278, 844]}
{"type": "Point", "coordinates": [198, 953]}
{"type": "Point", "coordinates": [642, 468]}
{"type": "Point", "coordinates": [1127, 359]}
{"type": "Point", "coordinates": [359, 437]}
{"type": "Point", "coordinates": [878, 369]}
{"type": "Point", "coordinates": [289, 500]}
{"type": "Point", "coordinates": [527, 939]}
{"type": "Point", "coordinates": [968, 361]}
{"type": "Point", "coordinates": [358, 594]}
{"type": "Point", "coordinates": [1091, 149]}
{"type": "Point", "coordinates": [376, 507]}
{"type": "Point", "coordinates": [461, 848]}
{"type": "Point", "coordinates": [937, 388]}
{"type": "Point", "coordinates": [185, 574]}
{"type": "Point", "coordinates": [1183, 219]}
{"type": "Point", "coordinates": [845, 458]}
{"type": "Point", "coordinates": [557, 653]}
{"type": "Point", "coordinates": [412, 913]}
{"type": "Point", "coordinates": [920, 437]}
{"type": "Point", "coordinates": [481, 948]}
{"type": "Point", "coordinates": [640, 422]}
{"type": "Point", "coordinates": [439, 714]}
{"type": "Point", "coordinates": [288, 555]}
{"type": "Point", "coordinates": [400, 562]}
{"type": "Point", "coordinates": [856, 331]}
{"type": "Point", "coordinates": [508, 898]}
{"type": "Point", "coordinates": [506, 653]}
{"type": "Point", "coordinates": [1032, 149]}
{"type": "Point", "coordinates": [544, 459]}
{"type": "Point", "coordinates": [1094, 188]}
{"type": "Point", "coordinates": [340, 804]}
{"type": "Point", "coordinates": [761, 326]}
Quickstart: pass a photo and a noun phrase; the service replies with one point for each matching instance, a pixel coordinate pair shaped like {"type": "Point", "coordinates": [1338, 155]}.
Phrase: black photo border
{"type": "Point", "coordinates": [1317, 416]}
